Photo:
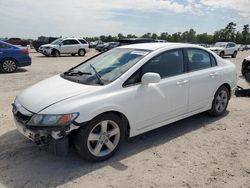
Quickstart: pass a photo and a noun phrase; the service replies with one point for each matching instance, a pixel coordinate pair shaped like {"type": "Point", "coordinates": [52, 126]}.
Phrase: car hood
{"type": "Point", "coordinates": [51, 91]}
{"type": "Point", "coordinates": [48, 45]}
{"type": "Point", "coordinates": [216, 48]}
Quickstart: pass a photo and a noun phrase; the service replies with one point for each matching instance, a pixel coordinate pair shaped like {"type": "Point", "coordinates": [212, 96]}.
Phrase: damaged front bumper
{"type": "Point", "coordinates": [56, 137]}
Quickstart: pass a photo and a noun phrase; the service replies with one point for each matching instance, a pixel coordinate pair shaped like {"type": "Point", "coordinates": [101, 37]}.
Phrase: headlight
{"type": "Point", "coordinates": [52, 120]}
{"type": "Point", "coordinates": [47, 47]}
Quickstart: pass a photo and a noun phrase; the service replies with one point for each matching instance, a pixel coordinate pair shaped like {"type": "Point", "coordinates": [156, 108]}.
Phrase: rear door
{"type": "Point", "coordinates": [204, 77]}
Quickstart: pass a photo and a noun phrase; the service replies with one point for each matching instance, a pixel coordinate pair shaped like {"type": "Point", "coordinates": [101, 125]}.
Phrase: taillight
{"type": "Point", "coordinates": [24, 51]}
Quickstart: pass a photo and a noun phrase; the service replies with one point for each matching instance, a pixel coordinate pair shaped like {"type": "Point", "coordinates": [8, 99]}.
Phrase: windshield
{"type": "Point", "coordinates": [57, 41]}
{"type": "Point", "coordinates": [107, 67]}
{"type": "Point", "coordinates": [220, 44]}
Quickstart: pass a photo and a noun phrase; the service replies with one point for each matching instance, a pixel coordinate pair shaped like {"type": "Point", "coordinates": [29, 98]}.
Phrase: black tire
{"type": "Point", "coordinates": [73, 54]}
{"type": "Point", "coordinates": [81, 52]}
{"type": "Point", "coordinates": [244, 68]}
{"type": "Point", "coordinates": [221, 98]}
{"type": "Point", "coordinates": [234, 54]}
{"type": "Point", "coordinates": [55, 53]}
{"type": "Point", "coordinates": [86, 147]}
{"type": "Point", "coordinates": [222, 54]}
{"type": "Point", "coordinates": [8, 65]}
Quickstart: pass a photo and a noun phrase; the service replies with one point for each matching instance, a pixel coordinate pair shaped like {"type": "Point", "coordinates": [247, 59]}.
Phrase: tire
{"type": "Point", "coordinates": [8, 65]}
{"type": "Point", "coordinates": [234, 54]}
{"type": "Point", "coordinates": [94, 142]}
{"type": "Point", "coordinates": [220, 102]}
{"type": "Point", "coordinates": [222, 54]}
{"type": "Point", "coordinates": [243, 69]}
{"type": "Point", "coordinates": [73, 54]}
{"type": "Point", "coordinates": [81, 52]}
{"type": "Point", "coordinates": [56, 53]}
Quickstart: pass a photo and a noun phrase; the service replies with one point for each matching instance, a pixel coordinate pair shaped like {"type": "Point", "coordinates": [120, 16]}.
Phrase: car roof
{"type": "Point", "coordinates": [157, 45]}
{"type": "Point", "coordinates": [70, 38]}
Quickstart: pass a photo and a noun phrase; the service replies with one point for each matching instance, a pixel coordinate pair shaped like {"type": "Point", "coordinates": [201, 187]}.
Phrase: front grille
{"type": "Point", "coordinates": [22, 118]}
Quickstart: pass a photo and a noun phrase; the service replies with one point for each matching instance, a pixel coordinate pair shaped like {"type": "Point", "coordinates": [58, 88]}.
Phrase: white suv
{"type": "Point", "coordinates": [225, 49]}
{"type": "Point", "coordinates": [65, 46]}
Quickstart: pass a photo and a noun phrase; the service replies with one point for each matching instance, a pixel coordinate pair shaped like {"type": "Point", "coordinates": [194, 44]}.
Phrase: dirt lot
{"type": "Point", "coordinates": [196, 152]}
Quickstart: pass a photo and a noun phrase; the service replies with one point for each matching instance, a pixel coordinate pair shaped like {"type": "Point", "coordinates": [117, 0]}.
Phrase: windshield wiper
{"type": "Point", "coordinates": [97, 75]}
{"type": "Point", "coordinates": [72, 73]}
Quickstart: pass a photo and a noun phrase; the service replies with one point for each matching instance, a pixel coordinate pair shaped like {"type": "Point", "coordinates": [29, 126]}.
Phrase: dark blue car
{"type": "Point", "coordinates": [12, 57]}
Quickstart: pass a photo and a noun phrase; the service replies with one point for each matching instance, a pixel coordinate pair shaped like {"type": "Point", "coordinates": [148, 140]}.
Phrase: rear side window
{"type": "Point", "coordinates": [70, 42]}
{"type": "Point", "coordinates": [199, 59]}
{"type": "Point", "coordinates": [83, 41]}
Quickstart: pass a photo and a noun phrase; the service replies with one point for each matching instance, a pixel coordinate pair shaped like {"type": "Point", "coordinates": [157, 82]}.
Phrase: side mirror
{"type": "Point", "coordinates": [150, 77]}
{"type": "Point", "coordinates": [60, 44]}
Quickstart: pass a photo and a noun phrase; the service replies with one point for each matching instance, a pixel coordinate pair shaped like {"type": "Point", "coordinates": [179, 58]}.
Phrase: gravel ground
{"type": "Point", "coordinates": [199, 151]}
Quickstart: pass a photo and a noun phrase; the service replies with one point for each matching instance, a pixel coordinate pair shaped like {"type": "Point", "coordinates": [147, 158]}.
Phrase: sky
{"type": "Point", "coordinates": [81, 18]}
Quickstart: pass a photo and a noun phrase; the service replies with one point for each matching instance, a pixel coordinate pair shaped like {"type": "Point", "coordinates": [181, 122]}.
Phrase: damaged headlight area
{"type": "Point", "coordinates": [52, 120]}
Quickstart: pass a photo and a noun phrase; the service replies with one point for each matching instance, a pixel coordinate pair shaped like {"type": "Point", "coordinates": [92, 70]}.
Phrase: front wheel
{"type": "Point", "coordinates": [220, 102]}
{"type": "Point", "coordinates": [101, 138]}
{"type": "Point", "coordinates": [55, 53]}
{"type": "Point", "coordinates": [222, 54]}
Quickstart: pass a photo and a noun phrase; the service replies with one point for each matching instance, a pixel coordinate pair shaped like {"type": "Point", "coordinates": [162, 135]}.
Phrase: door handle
{"type": "Point", "coordinates": [213, 74]}
{"type": "Point", "coordinates": [182, 82]}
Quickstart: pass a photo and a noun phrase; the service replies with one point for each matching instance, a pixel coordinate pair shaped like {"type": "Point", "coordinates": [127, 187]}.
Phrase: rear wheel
{"type": "Point", "coordinates": [101, 138]}
{"type": "Point", "coordinates": [8, 65]}
{"type": "Point", "coordinates": [220, 101]}
{"type": "Point", "coordinates": [234, 54]}
{"type": "Point", "coordinates": [81, 52]}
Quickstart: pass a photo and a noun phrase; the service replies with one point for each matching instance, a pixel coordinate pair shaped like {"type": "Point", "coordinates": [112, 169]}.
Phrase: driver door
{"type": "Point", "coordinates": [162, 101]}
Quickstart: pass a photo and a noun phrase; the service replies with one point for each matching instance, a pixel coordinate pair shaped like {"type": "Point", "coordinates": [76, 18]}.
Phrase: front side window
{"type": "Point", "coordinates": [107, 67]}
{"type": "Point", "coordinates": [198, 59]}
{"type": "Point", "coordinates": [167, 64]}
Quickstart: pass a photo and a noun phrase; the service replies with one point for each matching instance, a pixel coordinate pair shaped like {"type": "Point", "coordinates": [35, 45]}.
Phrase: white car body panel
{"type": "Point", "coordinates": [145, 107]}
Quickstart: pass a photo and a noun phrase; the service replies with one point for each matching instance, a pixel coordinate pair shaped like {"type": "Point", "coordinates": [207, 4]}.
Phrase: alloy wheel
{"type": "Point", "coordinates": [9, 65]}
{"type": "Point", "coordinates": [103, 138]}
{"type": "Point", "coordinates": [221, 101]}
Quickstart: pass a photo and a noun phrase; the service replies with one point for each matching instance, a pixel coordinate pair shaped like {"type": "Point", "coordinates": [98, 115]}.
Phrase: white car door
{"type": "Point", "coordinates": [161, 101]}
{"type": "Point", "coordinates": [65, 47]}
{"type": "Point", "coordinates": [204, 77]}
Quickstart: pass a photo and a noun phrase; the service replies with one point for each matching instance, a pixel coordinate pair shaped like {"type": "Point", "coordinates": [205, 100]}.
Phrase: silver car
{"type": "Point", "coordinates": [65, 46]}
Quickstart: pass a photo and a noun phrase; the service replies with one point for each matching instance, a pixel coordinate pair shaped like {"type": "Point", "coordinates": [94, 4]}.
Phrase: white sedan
{"type": "Point", "coordinates": [123, 93]}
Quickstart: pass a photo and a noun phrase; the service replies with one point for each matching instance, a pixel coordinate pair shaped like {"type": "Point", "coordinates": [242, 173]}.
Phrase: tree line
{"type": "Point", "coordinates": [226, 34]}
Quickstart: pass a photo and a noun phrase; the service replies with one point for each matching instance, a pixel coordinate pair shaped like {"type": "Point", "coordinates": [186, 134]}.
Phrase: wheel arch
{"type": "Point", "coordinates": [121, 115]}
{"type": "Point", "coordinates": [228, 87]}
{"type": "Point", "coordinates": [8, 58]}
